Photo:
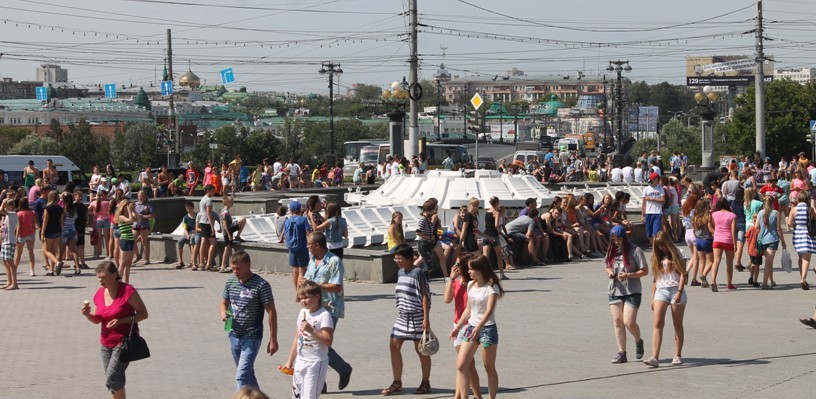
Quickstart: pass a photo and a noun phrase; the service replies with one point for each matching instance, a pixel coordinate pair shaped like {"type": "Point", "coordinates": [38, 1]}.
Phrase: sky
{"type": "Point", "coordinates": [279, 45]}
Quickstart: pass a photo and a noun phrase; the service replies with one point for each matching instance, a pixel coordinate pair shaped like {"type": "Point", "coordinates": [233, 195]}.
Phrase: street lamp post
{"type": "Point", "coordinates": [331, 69]}
{"type": "Point", "coordinates": [705, 100]}
{"type": "Point", "coordinates": [619, 67]}
{"type": "Point", "coordinates": [397, 96]}
{"type": "Point", "coordinates": [441, 76]}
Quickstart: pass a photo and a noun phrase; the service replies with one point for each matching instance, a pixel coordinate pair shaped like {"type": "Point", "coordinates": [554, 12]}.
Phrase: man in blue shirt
{"type": "Point", "coordinates": [326, 269]}
{"type": "Point", "coordinates": [245, 298]}
{"type": "Point", "coordinates": [294, 230]}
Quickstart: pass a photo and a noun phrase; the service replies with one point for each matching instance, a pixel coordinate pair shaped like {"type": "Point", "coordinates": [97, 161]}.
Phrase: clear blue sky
{"type": "Point", "coordinates": [279, 44]}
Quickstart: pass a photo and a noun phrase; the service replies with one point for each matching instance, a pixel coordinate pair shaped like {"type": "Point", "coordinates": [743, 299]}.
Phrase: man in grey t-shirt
{"type": "Point", "coordinates": [523, 228]}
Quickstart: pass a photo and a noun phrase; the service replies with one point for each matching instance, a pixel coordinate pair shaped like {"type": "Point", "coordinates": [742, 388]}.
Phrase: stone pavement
{"type": "Point", "coordinates": [555, 340]}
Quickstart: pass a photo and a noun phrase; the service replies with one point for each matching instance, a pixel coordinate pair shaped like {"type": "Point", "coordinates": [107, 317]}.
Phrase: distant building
{"type": "Point", "coordinates": [799, 75]}
{"type": "Point", "coordinates": [50, 73]}
{"type": "Point", "coordinates": [515, 86]}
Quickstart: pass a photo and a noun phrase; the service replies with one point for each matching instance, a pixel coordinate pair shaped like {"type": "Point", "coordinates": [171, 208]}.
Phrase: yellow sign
{"type": "Point", "coordinates": [477, 101]}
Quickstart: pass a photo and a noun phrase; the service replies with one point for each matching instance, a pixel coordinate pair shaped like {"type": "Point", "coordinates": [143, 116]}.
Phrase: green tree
{"type": "Point", "coordinates": [135, 146]}
{"type": "Point", "coordinates": [79, 145]}
{"type": "Point", "coordinates": [10, 135]}
{"type": "Point", "coordinates": [55, 130]}
{"type": "Point", "coordinates": [36, 145]}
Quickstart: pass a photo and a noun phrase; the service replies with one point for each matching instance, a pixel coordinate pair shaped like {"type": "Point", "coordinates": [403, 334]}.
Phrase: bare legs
{"type": "Point", "coordinates": [624, 318]}
{"type": "Point", "coordinates": [678, 311]}
{"type": "Point", "coordinates": [124, 267]}
{"type": "Point", "coordinates": [424, 361]}
{"type": "Point", "coordinates": [804, 265]}
{"type": "Point", "coordinates": [464, 362]}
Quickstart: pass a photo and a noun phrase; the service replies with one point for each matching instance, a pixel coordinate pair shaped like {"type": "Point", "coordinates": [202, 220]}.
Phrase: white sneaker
{"type": "Point", "coordinates": [677, 361]}
{"type": "Point", "coordinates": [651, 362]}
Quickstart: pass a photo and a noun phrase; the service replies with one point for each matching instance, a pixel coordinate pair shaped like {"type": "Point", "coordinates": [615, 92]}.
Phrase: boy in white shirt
{"type": "Point", "coordinates": [310, 348]}
{"type": "Point", "coordinates": [652, 207]}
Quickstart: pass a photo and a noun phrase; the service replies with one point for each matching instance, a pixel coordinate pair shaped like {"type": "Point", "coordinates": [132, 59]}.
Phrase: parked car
{"type": "Point", "coordinates": [486, 163]}
{"type": "Point", "coordinates": [546, 143]}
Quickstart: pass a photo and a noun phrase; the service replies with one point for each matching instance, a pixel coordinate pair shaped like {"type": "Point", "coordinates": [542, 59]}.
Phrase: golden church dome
{"type": "Point", "coordinates": [189, 79]}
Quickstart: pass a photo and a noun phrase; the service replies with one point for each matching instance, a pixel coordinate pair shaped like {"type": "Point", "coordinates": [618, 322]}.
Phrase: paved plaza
{"type": "Point", "coordinates": [555, 340]}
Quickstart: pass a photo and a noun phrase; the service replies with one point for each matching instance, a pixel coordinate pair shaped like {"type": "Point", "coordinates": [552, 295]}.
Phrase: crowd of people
{"type": "Point", "coordinates": [736, 209]}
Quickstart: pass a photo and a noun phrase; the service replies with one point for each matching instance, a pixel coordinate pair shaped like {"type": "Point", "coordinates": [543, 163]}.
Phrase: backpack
{"type": "Point", "coordinates": [751, 238]}
{"type": "Point", "coordinates": [293, 239]}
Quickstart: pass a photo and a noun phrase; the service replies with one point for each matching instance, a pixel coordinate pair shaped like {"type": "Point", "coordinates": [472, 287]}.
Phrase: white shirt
{"type": "Point", "coordinates": [653, 208]}
{"type": "Point", "coordinates": [294, 170]}
{"type": "Point", "coordinates": [395, 168]}
{"type": "Point", "coordinates": [628, 174]}
{"type": "Point", "coordinates": [477, 299]}
{"type": "Point", "coordinates": [657, 170]}
{"type": "Point", "coordinates": [308, 348]}
{"type": "Point", "coordinates": [95, 181]}
{"type": "Point", "coordinates": [638, 175]}
{"type": "Point", "coordinates": [615, 175]}
{"type": "Point", "coordinates": [386, 171]}
{"type": "Point", "coordinates": [276, 167]}
{"type": "Point", "coordinates": [813, 176]}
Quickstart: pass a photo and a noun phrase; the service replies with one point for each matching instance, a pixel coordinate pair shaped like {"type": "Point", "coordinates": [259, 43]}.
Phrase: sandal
{"type": "Point", "coordinates": [395, 386]}
{"type": "Point", "coordinates": [424, 388]}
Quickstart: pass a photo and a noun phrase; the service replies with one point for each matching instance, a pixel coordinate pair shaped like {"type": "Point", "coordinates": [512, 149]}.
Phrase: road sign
{"type": "Point", "coordinates": [214, 146]}
{"type": "Point", "coordinates": [167, 88]}
{"type": "Point", "coordinates": [110, 90]}
{"type": "Point", "coordinates": [477, 101]}
{"type": "Point", "coordinates": [813, 126]}
{"type": "Point", "coordinates": [42, 93]}
{"type": "Point", "coordinates": [227, 76]}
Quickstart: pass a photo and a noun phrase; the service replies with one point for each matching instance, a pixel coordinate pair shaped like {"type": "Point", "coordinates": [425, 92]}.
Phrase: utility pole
{"type": "Point", "coordinates": [414, 89]}
{"type": "Point", "coordinates": [173, 116]}
{"type": "Point", "coordinates": [759, 82]}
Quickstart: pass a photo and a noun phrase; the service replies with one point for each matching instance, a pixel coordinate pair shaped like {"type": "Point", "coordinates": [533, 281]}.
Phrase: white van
{"type": "Point", "coordinates": [527, 155]}
{"type": "Point", "coordinates": [67, 170]}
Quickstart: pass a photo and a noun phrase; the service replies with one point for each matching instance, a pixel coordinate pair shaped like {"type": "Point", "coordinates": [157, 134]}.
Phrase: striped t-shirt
{"type": "Point", "coordinates": [411, 285]}
{"type": "Point", "coordinates": [247, 302]}
{"type": "Point", "coordinates": [425, 226]}
{"type": "Point", "coordinates": [126, 231]}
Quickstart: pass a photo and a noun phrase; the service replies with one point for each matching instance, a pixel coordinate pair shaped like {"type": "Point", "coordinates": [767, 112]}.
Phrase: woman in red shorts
{"type": "Point", "coordinates": [725, 224]}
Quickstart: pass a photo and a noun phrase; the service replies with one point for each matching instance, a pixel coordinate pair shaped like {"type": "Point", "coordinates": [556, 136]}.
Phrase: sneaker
{"type": "Point", "coordinates": [704, 282]}
{"type": "Point", "coordinates": [766, 287]}
{"type": "Point", "coordinates": [651, 362]}
{"type": "Point", "coordinates": [740, 268]}
{"type": "Point", "coordinates": [731, 287]}
{"type": "Point", "coordinates": [773, 283]}
{"type": "Point", "coordinates": [750, 281]}
{"type": "Point", "coordinates": [179, 265]}
{"type": "Point", "coordinates": [59, 268]}
{"type": "Point", "coordinates": [49, 274]}
{"type": "Point", "coordinates": [31, 274]}
{"type": "Point", "coordinates": [639, 350]}
{"type": "Point", "coordinates": [714, 288]}
{"type": "Point", "coordinates": [677, 361]}
{"type": "Point", "coordinates": [620, 358]}
{"type": "Point", "coordinates": [84, 266]}
{"type": "Point", "coordinates": [695, 283]}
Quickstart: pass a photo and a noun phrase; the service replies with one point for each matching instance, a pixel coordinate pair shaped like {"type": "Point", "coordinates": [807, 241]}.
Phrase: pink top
{"type": "Point", "coordinates": [26, 220]}
{"type": "Point", "coordinates": [104, 209]}
{"type": "Point", "coordinates": [118, 309]}
{"type": "Point", "coordinates": [797, 185]}
{"type": "Point", "coordinates": [33, 194]}
{"type": "Point", "coordinates": [459, 298]}
{"type": "Point", "coordinates": [722, 226]}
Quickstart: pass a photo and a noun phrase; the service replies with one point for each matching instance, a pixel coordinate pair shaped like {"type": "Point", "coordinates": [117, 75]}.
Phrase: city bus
{"type": "Point", "coordinates": [351, 153]}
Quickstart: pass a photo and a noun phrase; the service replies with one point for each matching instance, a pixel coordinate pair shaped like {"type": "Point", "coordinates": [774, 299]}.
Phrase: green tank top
{"type": "Point", "coordinates": [29, 180]}
{"type": "Point", "coordinates": [126, 231]}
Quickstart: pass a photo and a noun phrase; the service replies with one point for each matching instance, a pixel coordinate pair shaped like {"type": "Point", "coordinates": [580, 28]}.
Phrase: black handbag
{"type": "Point", "coordinates": [134, 347]}
{"type": "Point", "coordinates": [811, 225]}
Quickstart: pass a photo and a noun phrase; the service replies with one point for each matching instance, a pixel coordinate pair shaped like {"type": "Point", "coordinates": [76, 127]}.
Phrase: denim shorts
{"type": "Point", "coordinates": [22, 240]}
{"type": "Point", "coordinates": [774, 246]}
{"type": "Point", "coordinates": [53, 236]}
{"type": "Point", "coordinates": [691, 239]}
{"type": "Point", "coordinates": [632, 300]}
{"type": "Point", "coordinates": [103, 224]}
{"type": "Point", "coordinates": [299, 258]}
{"type": "Point", "coordinates": [68, 235]}
{"type": "Point", "coordinates": [706, 245]}
{"type": "Point", "coordinates": [116, 232]}
{"type": "Point", "coordinates": [667, 295]}
{"type": "Point", "coordinates": [194, 239]}
{"type": "Point", "coordinates": [126, 245]}
{"type": "Point", "coordinates": [490, 241]}
{"type": "Point", "coordinates": [460, 337]}
{"type": "Point", "coordinates": [741, 232]}
{"type": "Point", "coordinates": [488, 335]}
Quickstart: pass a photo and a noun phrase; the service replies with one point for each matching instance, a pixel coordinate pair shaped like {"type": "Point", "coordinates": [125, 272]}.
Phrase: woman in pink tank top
{"type": "Point", "coordinates": [725, 233]}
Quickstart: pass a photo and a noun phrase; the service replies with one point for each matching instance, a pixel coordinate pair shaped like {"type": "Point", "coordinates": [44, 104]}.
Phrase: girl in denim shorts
{"type": "Point", "coordinates": [625, 265]}
{"type": "Point", "coordinates": [668, 289]}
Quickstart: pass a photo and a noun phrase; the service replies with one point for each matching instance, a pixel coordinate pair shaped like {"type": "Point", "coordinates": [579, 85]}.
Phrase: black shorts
{"type": "Point", "coordinates": [206, 230]}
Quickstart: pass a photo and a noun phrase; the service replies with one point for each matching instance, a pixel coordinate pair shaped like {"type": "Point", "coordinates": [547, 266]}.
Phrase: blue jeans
{"type": "Point", "coordinates": [244, 351]}
{"type": "Point", "coordinates": [335, 361]}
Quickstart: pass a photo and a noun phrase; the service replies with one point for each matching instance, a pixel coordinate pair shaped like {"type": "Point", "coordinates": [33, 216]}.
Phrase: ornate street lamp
{"type": "Point", "coordinates": [705, 101]}
{"type": "Point", "coordinates": [619, 67]}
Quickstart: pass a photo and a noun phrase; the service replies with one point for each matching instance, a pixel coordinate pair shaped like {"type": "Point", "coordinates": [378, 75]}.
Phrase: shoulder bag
{"type": "Point", "coordinates": [134, 347]}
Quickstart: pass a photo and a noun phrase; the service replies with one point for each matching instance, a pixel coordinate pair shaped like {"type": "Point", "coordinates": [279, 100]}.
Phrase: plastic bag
{"type": "Point", "coordinates": [786, 261]}
{"type": "Point", "coordinates": [428, 344]}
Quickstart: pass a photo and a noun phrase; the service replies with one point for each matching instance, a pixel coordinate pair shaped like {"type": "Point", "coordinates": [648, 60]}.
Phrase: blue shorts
{"type": "Point", "coordinates": [741, 232]}
{"type": "Point", "coordinates": [488, 335]}
{"type": "Point", "coordinates": [194, 239]}
{"type": "Point", "coordinates": [126, 245]}
{"type": "Point", "coordinates": [68, 235]}
{"type": "Point", "coordinates": [103, 224]}
{"type": "Point", "coordinates": [706, 245]}
{"type": "Point", "coordinates": [631, 300]}
{"type": "Point", "coordinates": [774, 246]}
{"type": "Point", "coordinates": [653, 224]}
{"type": "Point", "coordinates": [299, 258]}
{"type": "Point", "coordinates": [668, 294]}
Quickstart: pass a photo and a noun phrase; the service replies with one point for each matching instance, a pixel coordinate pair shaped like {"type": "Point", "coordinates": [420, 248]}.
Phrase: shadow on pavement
{"type": "Point", "coordinates": [369, 298]}
{"type": "Point", "coordinates": [169, 288]}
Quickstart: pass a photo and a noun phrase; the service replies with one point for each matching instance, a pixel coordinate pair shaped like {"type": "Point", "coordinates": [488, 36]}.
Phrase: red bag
{"type": "Point", "coordinates": [751, 238]}
{"type": "Point", "coordinates": [94, 237]}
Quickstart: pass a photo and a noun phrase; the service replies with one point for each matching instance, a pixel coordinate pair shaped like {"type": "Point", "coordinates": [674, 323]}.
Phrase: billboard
{"type": "Point", "coordinates": [728, 70]}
